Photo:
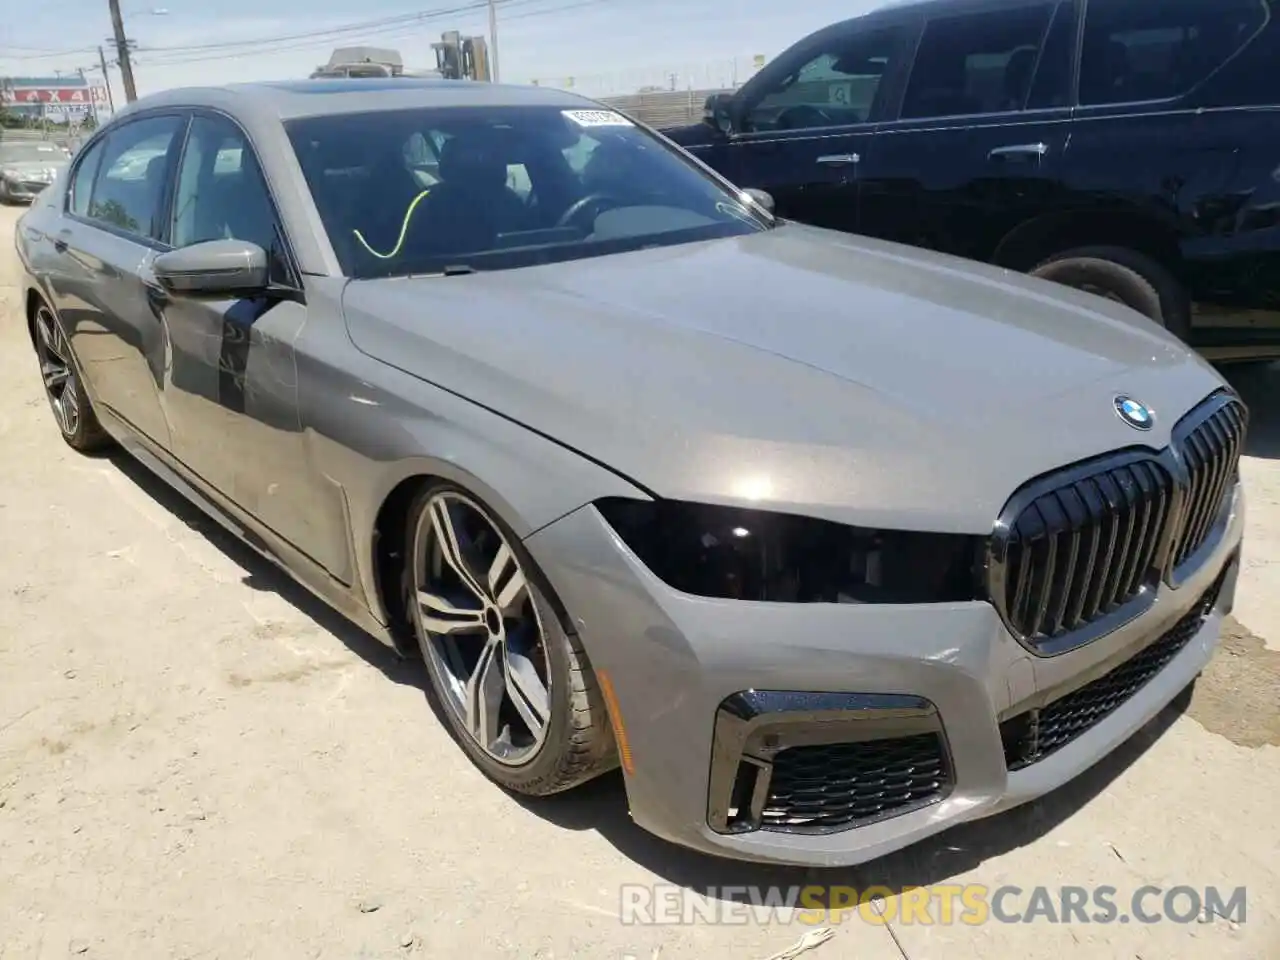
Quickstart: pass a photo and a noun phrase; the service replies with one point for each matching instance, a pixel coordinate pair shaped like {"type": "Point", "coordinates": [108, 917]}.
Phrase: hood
{"type": "Point", "coordinates": [797, 369]}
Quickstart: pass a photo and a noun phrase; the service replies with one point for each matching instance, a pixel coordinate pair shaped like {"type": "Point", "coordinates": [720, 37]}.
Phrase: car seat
{"type": "Point", "coordinates": [1017, 78]}
{"type": "Point", "coordinates": [472, 204]}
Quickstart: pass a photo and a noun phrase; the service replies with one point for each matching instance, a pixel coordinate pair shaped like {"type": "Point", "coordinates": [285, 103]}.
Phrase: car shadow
{"type": "Point", "coordinates": [602, 806]}
{"type": "Point", "coordinates": [1259, 387]}
{"type": "Point", "coordinates": [263, 575]}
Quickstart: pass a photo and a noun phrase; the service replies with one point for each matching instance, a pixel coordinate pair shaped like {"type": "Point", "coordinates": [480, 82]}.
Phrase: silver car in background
{"type": "Point", "coordinates": [828, 543]}
{"type": "Point", "coordinates": [27, 167]}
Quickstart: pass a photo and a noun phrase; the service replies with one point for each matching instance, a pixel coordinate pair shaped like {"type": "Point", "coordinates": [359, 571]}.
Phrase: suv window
{"type": "Point", "coordinates": [1156, 51]}
{"type": "Point", "coordinates": [835, 84]}
{"type": "Point", "coordinates": [977, 63]}
{"type": "Point", "coordinates": [129, 188]}
{"type": "Point", "coordinates": [220, 193]}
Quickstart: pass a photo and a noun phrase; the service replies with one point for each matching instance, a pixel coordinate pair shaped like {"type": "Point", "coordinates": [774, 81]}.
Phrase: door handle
{"type": "Point", "coordinates": [60, 241]}
{"type": "Point", "coordinates": [839, 159]}
{"type": "Point", "coordinates": [1019, 150]}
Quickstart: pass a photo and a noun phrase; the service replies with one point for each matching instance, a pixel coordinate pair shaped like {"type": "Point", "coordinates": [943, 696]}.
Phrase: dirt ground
{"type": "Point", "coordinates": [198, 760]}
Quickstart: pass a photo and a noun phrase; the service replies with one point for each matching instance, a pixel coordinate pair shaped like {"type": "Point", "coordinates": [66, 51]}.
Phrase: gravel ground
{"type": "Point", "coordinates": [198, 760]}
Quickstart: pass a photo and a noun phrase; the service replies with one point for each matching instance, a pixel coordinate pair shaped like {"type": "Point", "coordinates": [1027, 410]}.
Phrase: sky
{"type": "Point", "coordinates": [606, 46]}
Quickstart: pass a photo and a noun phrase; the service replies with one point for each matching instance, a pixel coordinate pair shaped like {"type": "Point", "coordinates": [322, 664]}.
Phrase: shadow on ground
{"type": "Point", "coordinates": [265, 576]}
{"type": "Point", "coordinates": [602, 805]}
{"type": "Point", "coordinates": [1259, 387]}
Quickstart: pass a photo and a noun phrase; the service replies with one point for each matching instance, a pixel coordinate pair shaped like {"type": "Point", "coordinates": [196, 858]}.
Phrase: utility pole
{"type": "Point", "coordinates": [493, 39]}
{"type": "Point", "coordinates": [122, 52]}
{"type": "Point", "coordinates": [106, 79]}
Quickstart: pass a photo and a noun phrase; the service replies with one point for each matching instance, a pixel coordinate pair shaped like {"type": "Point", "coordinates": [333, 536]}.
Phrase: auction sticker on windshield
{"type": "Point", "coordinates": [597, 118]}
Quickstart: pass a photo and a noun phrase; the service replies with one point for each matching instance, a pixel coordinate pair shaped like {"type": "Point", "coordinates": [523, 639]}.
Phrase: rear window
{"type": "Point", "coordinates": [1157, 51]}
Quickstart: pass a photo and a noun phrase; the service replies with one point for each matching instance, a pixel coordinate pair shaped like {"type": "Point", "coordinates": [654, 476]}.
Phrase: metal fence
{"type": "Point", "coordinates": [663, 108]}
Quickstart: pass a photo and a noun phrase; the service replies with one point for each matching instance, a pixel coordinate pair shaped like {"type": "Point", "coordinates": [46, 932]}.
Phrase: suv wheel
{"type": "Point", "coordinates": [1126, 276]}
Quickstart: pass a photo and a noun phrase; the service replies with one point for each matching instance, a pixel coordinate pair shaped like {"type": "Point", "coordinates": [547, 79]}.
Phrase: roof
{"type": "Point", "coordinates": [291, 99]}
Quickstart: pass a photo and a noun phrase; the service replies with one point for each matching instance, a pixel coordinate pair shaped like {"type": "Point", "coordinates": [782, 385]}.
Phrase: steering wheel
{"type": "Point", "coordinates": [578, 206]}
{"type": "Point", "coordinates": [801, 116]}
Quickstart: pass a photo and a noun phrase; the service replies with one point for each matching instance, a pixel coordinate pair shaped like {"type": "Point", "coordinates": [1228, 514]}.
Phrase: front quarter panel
{"type": "Point", "coordinates": [371, 427]}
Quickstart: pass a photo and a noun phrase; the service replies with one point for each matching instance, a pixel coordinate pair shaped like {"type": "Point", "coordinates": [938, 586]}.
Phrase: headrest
{"type": "Point", "coordinates": [472, 159]}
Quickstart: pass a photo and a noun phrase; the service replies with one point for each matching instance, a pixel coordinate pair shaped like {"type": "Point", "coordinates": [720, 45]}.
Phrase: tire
{"type": "Point", "coordinates": [1132, 278]}
{"type": "Point", "coordinates": [577, 742]}
{"type": "Point", "coordinates": [64, 385]}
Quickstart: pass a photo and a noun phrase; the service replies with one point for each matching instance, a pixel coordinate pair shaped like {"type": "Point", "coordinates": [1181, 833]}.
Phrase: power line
{"type": "Point", "coordinates": [48, 55]}
{"type": "Point", "coordinates": [404, 25]}
{"type": "Point", "coordinates": [353, 32]}
{"type": "Point", "coordinates": [323, 35]}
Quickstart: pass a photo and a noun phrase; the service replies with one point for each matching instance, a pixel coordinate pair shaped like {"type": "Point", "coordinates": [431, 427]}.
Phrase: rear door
{"type": "Point", "coordinates": [804, 123]}
{"type": "Point", "coordinates": [977, 142]}
{"type": "Point", "coordinates": [114, 226]}
{"type": "Point", "coordinates": [1179, 115]}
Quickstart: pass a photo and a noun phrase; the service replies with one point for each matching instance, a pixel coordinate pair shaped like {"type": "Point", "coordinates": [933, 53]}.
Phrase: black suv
{"type": "Point", "coordinates": [1127, 147]}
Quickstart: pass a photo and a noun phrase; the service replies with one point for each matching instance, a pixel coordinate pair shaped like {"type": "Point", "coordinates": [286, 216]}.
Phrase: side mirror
{"type": "Point", "coordinates": [215, 268]}
{"type": "Point", "coordinates": [717, 112]}
{"type": "Point", "coordinates": [760, 198]}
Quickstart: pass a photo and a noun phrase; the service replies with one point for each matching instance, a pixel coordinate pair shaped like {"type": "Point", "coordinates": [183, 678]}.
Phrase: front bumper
{"type": "Point", "coordinates": [713, 694]}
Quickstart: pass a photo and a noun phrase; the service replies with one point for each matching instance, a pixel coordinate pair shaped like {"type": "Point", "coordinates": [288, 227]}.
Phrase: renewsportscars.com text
{"type": "Point", "coordinates": [937, 904]}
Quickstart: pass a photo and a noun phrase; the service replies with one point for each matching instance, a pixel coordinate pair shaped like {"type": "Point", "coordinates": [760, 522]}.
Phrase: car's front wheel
{"type": "Point", "coordinates": [515, 686]}
{"type": "Point", "coordinates": [63, 385]}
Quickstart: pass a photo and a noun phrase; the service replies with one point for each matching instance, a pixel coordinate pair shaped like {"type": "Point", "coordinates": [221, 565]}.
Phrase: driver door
{"type": "Point", "coordinates": [804, 123]}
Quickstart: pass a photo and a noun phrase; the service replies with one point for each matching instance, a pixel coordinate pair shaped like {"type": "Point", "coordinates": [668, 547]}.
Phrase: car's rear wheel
{"type": "Point", "coordinates": [63, 386]}
{"type": "Point", "coordinates": [1126, 276]}
{"type": "Point", "coordinates": [514, 685]}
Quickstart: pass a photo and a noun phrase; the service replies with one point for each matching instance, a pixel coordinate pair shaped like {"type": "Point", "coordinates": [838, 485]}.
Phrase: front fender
{"type": "Point", "coordinates": [370, 427]}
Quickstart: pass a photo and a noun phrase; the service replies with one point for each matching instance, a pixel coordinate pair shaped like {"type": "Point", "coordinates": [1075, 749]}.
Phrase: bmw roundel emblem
{"type": "Point", "coordinates": [1135, 414]}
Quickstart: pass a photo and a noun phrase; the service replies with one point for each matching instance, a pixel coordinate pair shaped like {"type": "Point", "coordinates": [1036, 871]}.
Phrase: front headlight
{"type": "Point", "coordinates": [738, 554]}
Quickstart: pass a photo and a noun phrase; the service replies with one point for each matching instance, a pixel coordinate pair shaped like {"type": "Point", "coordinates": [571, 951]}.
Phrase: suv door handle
{"type": "Point", "coordinates": [1019, 150]}
{"type": "Point", "coordinates": [60, 242]}
{"type": "Point", "coordinates": [839, 159]}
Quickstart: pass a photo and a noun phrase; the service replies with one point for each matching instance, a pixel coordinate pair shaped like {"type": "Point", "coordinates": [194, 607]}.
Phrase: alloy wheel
{"type": "Point", "coordinates": [58, 371]}
{"type": "Point", "coordinates": [480, 628]}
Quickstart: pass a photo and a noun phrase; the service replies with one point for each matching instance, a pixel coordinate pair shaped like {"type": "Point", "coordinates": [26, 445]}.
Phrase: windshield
{"type": "Point", "coordinates": [31, 153]}
{"type": "Point", "coordinates": [495, 188]}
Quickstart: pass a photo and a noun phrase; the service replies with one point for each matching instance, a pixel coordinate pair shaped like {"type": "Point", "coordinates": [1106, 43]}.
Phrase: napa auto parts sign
{"type": "Point", "coordinates": [54, 96]}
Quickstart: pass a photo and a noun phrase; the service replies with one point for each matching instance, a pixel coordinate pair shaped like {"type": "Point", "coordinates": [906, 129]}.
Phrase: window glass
{"type": "Point", "coordinates": [835, 85]}
{"type": "Point", "coordinates": [1155, 51]}
{"type": "Point", "coordinates": [977, 63]}
{"type": "Point", "coordinates": [517, 186]}
{"type": "Point", "coordinates": [221, 194]}
{"type": "Point", "coordinates": [129, 190]}
{"type": "Point", "coordinates": [1052, 84]}
{"type": "Point", "coordinates": [82, 181]}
